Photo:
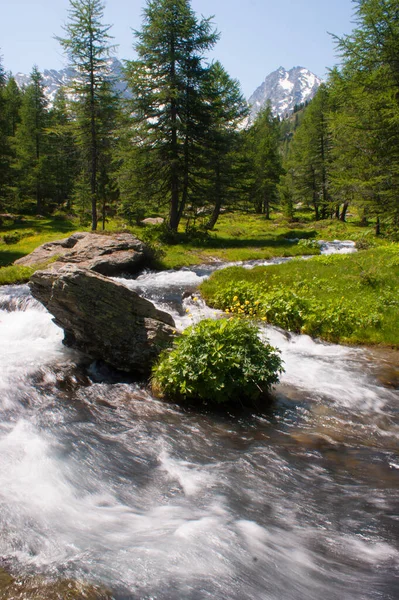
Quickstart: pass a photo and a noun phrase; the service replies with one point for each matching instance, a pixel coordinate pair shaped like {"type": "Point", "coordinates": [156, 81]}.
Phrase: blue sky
{"type": "Point", "coordinates": [257, 36]}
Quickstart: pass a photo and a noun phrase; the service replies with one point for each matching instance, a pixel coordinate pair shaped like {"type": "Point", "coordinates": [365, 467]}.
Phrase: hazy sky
{"type": "Point", "coordinates": [257, 36]}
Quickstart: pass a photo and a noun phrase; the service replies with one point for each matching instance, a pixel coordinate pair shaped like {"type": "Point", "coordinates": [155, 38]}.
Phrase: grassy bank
{"type": "Point", "coordinates": [341, 298]}
{"type": "Point", "coordinates": [237, 237]}
{"type": "Point", "coordinates": [243, 236]}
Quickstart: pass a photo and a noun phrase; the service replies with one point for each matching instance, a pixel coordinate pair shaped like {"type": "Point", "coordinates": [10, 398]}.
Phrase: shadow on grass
{"type": "Point", "coordinates": [298, 234]}
{"type": "Point", "coordinates": [7, 257]}
{"type": "Point", "coordinates": [44, 225]}
{"type": "Point", "coordinates": [223, 243]}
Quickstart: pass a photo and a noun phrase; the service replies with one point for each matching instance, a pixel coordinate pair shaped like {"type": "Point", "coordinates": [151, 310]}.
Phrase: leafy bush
{"type": "Point", "coordinates": [12, 238]}
{"type": "Point", "coordinates": [305, 243]}
{"type": "Point", "coordinates": [219, 362]}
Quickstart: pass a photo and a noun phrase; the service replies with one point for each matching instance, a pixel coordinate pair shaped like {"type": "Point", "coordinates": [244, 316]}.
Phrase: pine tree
{"type": "Point", "coordinates": [166, 81]}
{"type": "Point", "coordinates": [10, 100]}
{"type": "Point", "coordinates": [4, 147]}
{"type": "Point", "coordinates": [12, 106]}
{"type": "Point", "coordinates": [63, 150]}
{"type": "Point", "coordinates": [366, 126]}
{"type": "Point", "coordinates": [31, 144]}
{"type": "Point", "coordinates": [87, 44]}
{"type": "Point", "coordinates": [227, 110]}
{"type": "Point", "coordinates": [309, 157]}
{"type": "Point", "coordinates": [263, 147]}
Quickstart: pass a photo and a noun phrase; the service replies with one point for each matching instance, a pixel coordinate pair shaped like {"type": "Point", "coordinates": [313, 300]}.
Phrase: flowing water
{"type": "Point", "coordinates": [100, 481]}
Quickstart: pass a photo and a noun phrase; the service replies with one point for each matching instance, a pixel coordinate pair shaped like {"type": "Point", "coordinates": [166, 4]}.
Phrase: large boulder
{"type": "Point", "coordinates": [103, 318]}
{"type": "Point", "coordinates": [106, 254]}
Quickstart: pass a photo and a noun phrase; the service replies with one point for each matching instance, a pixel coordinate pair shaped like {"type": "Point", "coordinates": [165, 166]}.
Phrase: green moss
{"type": "Point", "coordinates": [39, 588]}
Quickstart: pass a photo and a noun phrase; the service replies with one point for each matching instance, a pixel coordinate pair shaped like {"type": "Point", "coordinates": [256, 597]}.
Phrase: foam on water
{"type": "Point", "coordinates": [108, 484]}
{"type": "Point", "coordinates": [328, 371]}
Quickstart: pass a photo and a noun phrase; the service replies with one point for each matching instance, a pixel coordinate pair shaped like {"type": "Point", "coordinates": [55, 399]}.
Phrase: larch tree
{"type": "Point", "coordinates": [263, 143]}
{"type": "Point", "coordinates": [64, 152]}
{"type": "Point", "coordinates": [169, 115]}
{"type": "Point", "coordinates": [309, 157]}
{"type": "Point", "coordinates": [87, 45]}
{"type": "Point", "coordinates": [366, 126]}
{"type": "Point", "coordinates": [31, 143]}
{"type": "Point", "coordinates": [4, 149]}
{"type": "Point", "coordinates": [228, 109]}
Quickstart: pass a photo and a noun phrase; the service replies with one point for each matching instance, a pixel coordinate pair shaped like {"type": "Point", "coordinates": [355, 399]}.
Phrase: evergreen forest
{"type": "Point", "coordinates": [182, 147]}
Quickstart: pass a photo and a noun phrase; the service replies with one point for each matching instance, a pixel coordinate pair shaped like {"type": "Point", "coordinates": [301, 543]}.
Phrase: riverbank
{"type": "Point", "coordinates": [237, 237]}
{"type": "Point", "coordinates": [350, 299]}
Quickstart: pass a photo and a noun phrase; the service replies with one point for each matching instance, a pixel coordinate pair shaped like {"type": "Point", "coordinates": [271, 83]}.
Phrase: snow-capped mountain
{"type": "Point", "coordinates": [284, 89]}
{"type": "Point", "coordinates": [53, 79]}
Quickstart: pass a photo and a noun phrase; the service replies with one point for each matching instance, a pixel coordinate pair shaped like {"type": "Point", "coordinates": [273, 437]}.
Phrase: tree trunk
{"type": "Point", "coordinates": [378, 227]}
{"type": "Point", "coordinates": [266, 206]}
{"type": "Point", "coordinates": [218, 201]}
{"type": "Point", "coordinates": [344, 211]}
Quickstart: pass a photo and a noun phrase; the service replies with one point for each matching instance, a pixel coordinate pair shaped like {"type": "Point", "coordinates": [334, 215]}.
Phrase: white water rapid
{"type": "Point", "coordinates": [102, 482]}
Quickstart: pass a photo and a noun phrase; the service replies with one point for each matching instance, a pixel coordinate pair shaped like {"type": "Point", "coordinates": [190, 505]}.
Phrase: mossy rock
{"type": "Point", "coordinates": [38, 588]}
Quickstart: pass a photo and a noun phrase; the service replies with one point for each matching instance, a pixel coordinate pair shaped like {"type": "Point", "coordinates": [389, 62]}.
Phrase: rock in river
{"type": "Point", "coordinates": [105, 254]}
{"type": "Point", "coordinates": [103, 318]}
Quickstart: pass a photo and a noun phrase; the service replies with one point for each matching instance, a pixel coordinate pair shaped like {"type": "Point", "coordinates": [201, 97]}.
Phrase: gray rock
{"type": "Point", "coordinates": [105, 254]}
{"type": "Point", "coordinates": [153, 221]}
{"type": "Point", "coordinates": [103, 318]}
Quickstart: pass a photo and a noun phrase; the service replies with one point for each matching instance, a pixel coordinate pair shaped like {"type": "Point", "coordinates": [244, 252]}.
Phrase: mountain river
{"type": "Point", "coordinates": [101, 482]}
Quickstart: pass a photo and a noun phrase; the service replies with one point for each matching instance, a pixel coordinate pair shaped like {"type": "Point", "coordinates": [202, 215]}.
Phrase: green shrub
{"type": "Point", "coordinates": [12, 238]}
{"type": "Point", "coordinates": [218, 362]}
{"type": "Point", "coordinates": [306, 243]}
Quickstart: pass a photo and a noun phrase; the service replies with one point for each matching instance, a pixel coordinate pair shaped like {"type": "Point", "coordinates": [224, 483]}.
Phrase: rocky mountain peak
{"type": "Point", "coordinates": [284, 89]}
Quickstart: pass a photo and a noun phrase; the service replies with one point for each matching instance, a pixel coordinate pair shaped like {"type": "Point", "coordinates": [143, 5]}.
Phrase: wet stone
{"type": "Point", "coordinates": [38, 588]}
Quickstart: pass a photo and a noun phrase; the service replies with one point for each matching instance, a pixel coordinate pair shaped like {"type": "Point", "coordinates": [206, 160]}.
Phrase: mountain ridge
{"type": "Point", "coordinates": [283, 89]}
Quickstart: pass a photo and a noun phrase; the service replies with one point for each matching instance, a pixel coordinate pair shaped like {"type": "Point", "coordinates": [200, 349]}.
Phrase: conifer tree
{"type": "Point", "coordinates": [309, 157]}
{"type": "Point", "coordinates": [263, 147]}
{"type": "Point", "coordinates": [87, 44]}
{"type": "Point", "coordinates": [167, 81]}
{"type": "Point", "coordinates": [228, 109]}
{"type": "Point", "coordinates": [366, 126]}
{"type": "Point", "coordinates": [4, 149]}
{"type": "Point", "coordinates": [10, 101]}
{"type": "Point", "coordinates": [31, 143]}
{"type": "Point", "coordinates": [12, 106]}
{"type": "Point", "coordinates": [63, 150]}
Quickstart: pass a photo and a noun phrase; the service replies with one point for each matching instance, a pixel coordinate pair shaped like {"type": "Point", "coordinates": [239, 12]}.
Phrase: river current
{"type": "Point", "coordinates": [102, 482]}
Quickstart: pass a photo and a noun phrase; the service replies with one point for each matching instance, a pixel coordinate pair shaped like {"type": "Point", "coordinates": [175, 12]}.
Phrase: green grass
{"type": "Point", "coordinates": [245, 236]}
{"type": "Point", "coordinates": [237, 237]}
{"type": "Point", "coordinates": [342, 298]}
{"type": "Point", "coordinates": [33, 232]}
{"type": "Point", "coordinates": [15, 274]}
